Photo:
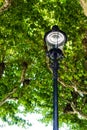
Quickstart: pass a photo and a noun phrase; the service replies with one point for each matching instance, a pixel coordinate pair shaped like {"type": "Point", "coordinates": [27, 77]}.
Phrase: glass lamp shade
{"type": "Point", "coordinates": [55, 39]}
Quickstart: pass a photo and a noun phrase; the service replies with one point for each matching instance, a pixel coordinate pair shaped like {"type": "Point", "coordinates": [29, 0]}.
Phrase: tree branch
{"type": "Point", "coordinates": [22, 80]}
{"type": "Point", "coordinates": [8, 96]}
{"type": "Point", "coordinates": [24, 68]}
{"type": "Point", "coordinates": [72, 86]}
{"type": "Point", "coordinates": [79, 113]}
{"type": "Point", "coordinates": [65, 85]}
{"type": "Point", "coordinates": [5, 6]}
{"type": "Point", "coordinates": [71, 109]}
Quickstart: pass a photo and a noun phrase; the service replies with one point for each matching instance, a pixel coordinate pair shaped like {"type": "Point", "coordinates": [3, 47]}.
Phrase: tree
{"type": "Point", "coordinates": [25, 76]}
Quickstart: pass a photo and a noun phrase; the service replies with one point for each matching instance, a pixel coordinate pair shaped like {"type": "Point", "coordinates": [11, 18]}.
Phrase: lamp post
{"type": "Point", "coordinates": [55, 40]}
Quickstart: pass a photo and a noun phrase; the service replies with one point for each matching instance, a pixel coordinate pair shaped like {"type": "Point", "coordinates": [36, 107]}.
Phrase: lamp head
{"type": "Point", "coordinates": [55, 38]}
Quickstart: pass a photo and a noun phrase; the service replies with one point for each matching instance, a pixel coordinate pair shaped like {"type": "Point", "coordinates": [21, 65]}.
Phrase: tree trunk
{"type": "Point", "coordinates": [84, 6]}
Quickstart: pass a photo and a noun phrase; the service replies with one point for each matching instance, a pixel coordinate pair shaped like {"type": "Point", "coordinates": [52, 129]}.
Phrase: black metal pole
{"type": "Point", "coordinates": [55, 92]}
{"type": "Point", "coordinates": [55, 55]}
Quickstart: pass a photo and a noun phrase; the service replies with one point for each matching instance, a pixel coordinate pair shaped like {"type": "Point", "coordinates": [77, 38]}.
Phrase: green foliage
{"type": "Point", "coordinates": [22, 29]}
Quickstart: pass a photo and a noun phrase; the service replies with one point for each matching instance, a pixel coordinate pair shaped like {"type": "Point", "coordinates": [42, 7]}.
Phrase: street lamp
{"type": "Point", "coordinates": [55, 40]}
